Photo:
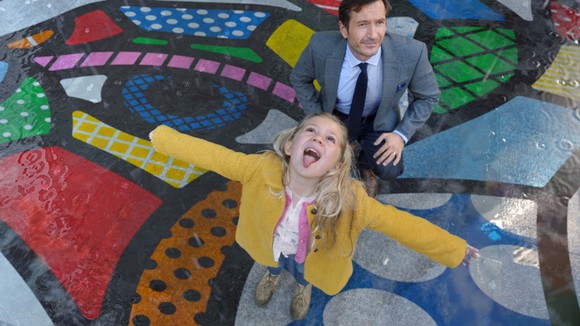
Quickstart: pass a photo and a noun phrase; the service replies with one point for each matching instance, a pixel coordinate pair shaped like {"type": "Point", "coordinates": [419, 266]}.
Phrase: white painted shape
{"type": "Point", "coordinates": [265, 133]}
{"type": "Point", "coordinates": [18, 305]}
{"type": "Point", "coordinates": [86, 88]}
{"type": "Point", "coordinates": [373, 307]}
{"type": "Point", "coordinates": [414, 201]}
{"type": "Point", "coordinates": [17, 14]}
{"type": "Point", "coordinates": [509, 275]}
{"type": "Point", "coordinates": [574, 239]}
{"type": "Point", "coordinates": [387, 258]}
{"type": "Point", "coordinates": [517, 216]}
{"type": "Point", "coordinates": [522, 8]}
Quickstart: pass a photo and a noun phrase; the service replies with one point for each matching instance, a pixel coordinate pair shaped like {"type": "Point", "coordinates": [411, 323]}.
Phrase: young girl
{"type": "Point", "coordinates": [301, 211]}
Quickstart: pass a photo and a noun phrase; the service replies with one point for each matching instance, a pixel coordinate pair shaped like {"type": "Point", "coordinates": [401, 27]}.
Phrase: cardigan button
{"type": "Point", "coordinates": [315, 250]}
{"type": "Point", "coordinates": [314, 211]}
{"type": "Point", "coordinates": [317, 237]}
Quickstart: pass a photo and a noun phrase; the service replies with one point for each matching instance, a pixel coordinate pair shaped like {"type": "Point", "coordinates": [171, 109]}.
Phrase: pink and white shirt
{"type": "Point", "coordinates": [292, 233]}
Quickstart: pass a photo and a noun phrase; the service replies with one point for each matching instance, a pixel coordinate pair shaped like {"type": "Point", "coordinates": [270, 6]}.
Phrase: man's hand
{"type": "Point", "coordinates": [391, 150]}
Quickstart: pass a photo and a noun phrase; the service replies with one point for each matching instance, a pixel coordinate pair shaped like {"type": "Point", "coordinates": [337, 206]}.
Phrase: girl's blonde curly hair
{"type": "Point", "coordinates": [334, 193]}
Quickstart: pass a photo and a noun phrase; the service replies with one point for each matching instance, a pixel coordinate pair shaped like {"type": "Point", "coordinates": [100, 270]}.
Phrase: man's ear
{"type": "Point", "coordinates": [288, 148]}
{"type": "Point", "coordinates": [343, 29]}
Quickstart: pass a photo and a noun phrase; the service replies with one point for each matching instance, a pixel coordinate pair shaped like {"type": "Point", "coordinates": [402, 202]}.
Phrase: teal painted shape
{"type": "Point", "coordinates": [524, 141]}
{"type": "Point", "coordinates": [3, 70]}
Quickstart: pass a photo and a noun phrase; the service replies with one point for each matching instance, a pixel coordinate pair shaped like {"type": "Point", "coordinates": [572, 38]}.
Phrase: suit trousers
{"type": "Point", "coordinates": [366, 139]}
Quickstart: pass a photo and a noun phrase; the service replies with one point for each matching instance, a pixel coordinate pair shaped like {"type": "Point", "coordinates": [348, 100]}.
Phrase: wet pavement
{"type": "Point", "coordinates": [96, 228]}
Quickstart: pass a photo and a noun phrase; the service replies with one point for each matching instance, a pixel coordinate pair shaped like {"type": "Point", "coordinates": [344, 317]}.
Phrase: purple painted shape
{"type": "Point", "coordinates": [258, 80]}
{"type": "Point", "coordinates": [66, 61]}
{"type": "Point", "coordinates": [43, 61]}
{"type": "Point", "coordinates": [284, 91]}
{"type": "Point", "coordinates": [180, 61]}
{"type": "Point", "coordinates": [233, 72]}
{"type": "Point", "coordinates": [96, 59]}
{"type": "Point", "coordinates": [153, 59]}
{"type": "Point", "coordinates": [208, 66]}
{"type": "Point", "coordinates": [126, 58]}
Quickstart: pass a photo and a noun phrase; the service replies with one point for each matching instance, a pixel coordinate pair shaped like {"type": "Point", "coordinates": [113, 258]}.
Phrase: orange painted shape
{"type": "Point", "coordinates": [31, 41]}
{"type": "Point", "coordinates": [199, 255]}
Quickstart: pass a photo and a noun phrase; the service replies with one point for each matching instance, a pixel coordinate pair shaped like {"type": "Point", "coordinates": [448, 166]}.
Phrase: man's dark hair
{"type": "Point", "coordinates": [348, 6]}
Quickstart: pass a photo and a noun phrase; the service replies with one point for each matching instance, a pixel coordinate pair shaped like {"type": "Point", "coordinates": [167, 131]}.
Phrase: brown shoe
{"type": "Point", "coordinates": [266, 288]}
{"type": "Point", "coordinates": [371, 182]}
{"type": "Point", "coordinates": [300, 301]}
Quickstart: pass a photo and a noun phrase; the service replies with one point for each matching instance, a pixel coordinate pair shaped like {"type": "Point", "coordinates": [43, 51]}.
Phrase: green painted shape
{"type": "Point", "coordinates": [149, 41]}
{"type": "Point", "coordinates": [26, 113]}
{"type": "Point", "coordinates": [498, 66]}
{"type": "Point", "coordinates": [242, 53]}
{"type": "Point", "coordinates": [442, 82]}
{"type": "Point", "coordinates": [438, 55]}
{"type": "Point", "coordinates": [483, 87]}
{"type": "Point", "coordinates": [493, 40]}
{"type": "Point", "coordinates": [459, 46]}
{"type": "Point", "coordinates": [458, 71]}
{"type": "Point", "coordinates": [453, 98]}
{"type": "Point", "coordinates": [491, 64]}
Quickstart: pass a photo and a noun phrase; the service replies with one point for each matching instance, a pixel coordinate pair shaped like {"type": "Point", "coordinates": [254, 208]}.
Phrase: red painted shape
{"type": "Point", "coordinates": [566, 20]}
{"type": "Point", "coordinates": [93, 26]}
{"type": "Point", "coordinates": [329, 5]}
{"type": "Point", "coordinates": [75, 215]}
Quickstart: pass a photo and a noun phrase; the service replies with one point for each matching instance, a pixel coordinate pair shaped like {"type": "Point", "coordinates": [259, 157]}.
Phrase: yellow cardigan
{"type": "Point", "coordinates": [261, 175]}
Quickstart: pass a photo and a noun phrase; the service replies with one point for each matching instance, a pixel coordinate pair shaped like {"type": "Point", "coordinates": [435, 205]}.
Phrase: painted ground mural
{"type": "Point", "coordinates": [96, 228]}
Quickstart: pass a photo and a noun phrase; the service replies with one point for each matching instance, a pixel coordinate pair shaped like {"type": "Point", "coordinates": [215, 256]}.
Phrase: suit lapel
{"type": "Point", "coordinates": [332, 69]}
{"type": "Point", "coordinates": [391, 71]}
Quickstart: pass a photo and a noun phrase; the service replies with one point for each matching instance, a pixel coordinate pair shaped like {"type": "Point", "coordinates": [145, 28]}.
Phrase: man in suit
{"type": "Point", "coordinates": [394, 64]}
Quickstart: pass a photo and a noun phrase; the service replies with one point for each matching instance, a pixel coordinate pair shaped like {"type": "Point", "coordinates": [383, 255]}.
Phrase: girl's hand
{"type": "Point", "coordinates": [470, 254]}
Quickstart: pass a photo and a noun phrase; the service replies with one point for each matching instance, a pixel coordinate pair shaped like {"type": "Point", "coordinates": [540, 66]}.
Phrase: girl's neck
{"type": "Point", "coordinates": [302, 187]}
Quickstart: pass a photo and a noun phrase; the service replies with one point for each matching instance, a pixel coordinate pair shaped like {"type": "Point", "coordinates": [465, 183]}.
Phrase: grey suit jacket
{"type": "Point", "coordinates": [405, 66]}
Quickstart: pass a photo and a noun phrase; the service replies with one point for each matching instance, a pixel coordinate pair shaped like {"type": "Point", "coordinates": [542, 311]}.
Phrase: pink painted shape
{"type": "Point", "coordinates": [96, 59]}
{"type": "Point", "coordinates": [43, 61]}
{"type": "Point", "coordinates": [180, 61]}
{"type": "Point", "coordinates": [208, 66]}
{"type": "Point", "coordinates": [257, 80]}
{"type": "Point", "coordinates": [66, 61]}
{"type": "Point", "coordinates": [79, 225]}
{"type": "Point", "coordinates": [284, 91]}
{"type": "Point", "coordinates": [233, 72]}
{"type": "Point", "coordinates": [153, 59]}
{"type": "Point", "coordinates": [126, 58]}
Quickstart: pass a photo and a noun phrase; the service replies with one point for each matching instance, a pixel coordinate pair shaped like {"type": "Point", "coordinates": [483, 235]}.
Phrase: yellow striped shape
{"type": "Point", "coordinates": [563, 76]}
{"type": "Point", "coordinates": [134, 150]}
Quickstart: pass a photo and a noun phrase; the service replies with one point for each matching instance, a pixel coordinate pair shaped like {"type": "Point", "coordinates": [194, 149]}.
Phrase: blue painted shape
{"type": "Point", "coordinates": [136, 101]}
{"type": "Point", "coordinates": [456, 9]}
{"type": "Point", "coordinates": [459, 217]}
{"type": "Point", "coordinates": [215, 23]}
{"type": "Point", "coordinates": [525, 141]}
{"type": "Point", "coordinates": [3, 70]}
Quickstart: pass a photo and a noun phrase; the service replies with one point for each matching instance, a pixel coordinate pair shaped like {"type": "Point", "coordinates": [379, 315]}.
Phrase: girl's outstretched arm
{"type": "Point", "coordinates": [204, 154]}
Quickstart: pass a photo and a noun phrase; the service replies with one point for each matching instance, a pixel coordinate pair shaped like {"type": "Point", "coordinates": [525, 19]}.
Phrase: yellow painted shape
{"type": "Point", "coordinates": [563, 77]}
{"type": "Point", "coordinates": [134, 150]}
{"type": "Point", "coordinates": [289, 40]}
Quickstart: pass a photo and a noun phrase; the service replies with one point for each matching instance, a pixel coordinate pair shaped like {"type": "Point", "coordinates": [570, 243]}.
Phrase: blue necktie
{"type": "Point", "coordinates": [358, 103]}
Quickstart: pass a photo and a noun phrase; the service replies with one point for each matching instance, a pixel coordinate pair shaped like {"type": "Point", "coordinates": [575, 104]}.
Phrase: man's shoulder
{"type": "Point", "coordinates": [327, 37]}
{"type": "Point", "coordinates": [397, 40]}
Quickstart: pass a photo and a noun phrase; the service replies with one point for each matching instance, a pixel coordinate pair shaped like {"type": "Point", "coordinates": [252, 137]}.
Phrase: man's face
{"type": "Point", "coordinates": [366, 30]}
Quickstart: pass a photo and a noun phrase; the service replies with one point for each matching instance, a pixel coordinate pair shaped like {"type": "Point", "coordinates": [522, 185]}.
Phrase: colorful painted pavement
{"type": "Point", "coordinates": [98, 228]}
